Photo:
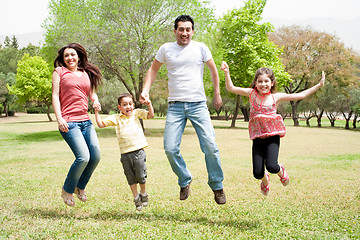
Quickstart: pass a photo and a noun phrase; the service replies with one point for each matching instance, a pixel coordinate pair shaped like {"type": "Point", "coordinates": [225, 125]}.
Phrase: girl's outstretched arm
{"type": "Point", "coordinates": [303, 94]}
{"type": "Point", "coordinates": [229, 84]}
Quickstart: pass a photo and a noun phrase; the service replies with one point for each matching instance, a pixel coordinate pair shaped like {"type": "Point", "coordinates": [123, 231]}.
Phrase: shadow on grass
{"type": "Point", "coordinates": [46, 136]}
{"type": "Point", "coordinates": [228, 127]}
{"type": "Point", "coordinates": [244, 224]}
{"type": "Point", "coordinates": [24, 122]}
{"type": "Point", "coordinates": [149, 132]}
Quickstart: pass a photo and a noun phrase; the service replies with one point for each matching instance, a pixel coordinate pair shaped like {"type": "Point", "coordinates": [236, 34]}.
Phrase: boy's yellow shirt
{"type": "Point", "coordinates": [129, 132]}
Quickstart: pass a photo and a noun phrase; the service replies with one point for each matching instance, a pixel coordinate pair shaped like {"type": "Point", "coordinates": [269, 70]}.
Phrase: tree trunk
{"type": "Point", "coordinates": [294, 113]}
{"type": "Point", "coordinates": [218, 111]}
{"type": "Point", "coordinates": [332, 118]}
{"type": "Point", "coordinates": [246, 112]}
{"type": "Point", "coordinates": [332, 121]}
{"type": "Point", "coordinates": [6, 109]}
{"type": "Point", "coordinates": [354, 120]}
{"type": "Point", "coordinates": [347, 119]}
{"type": "Point", "coordinates": [48, 111]}
{"type": "Point", "coordinates": [319, 117]}
{"type": "Point", "coordinates": [235, 111]}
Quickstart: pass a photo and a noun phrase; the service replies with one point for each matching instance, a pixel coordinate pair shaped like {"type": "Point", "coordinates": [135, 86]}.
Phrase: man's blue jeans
{"type": "Point", "coordinates": [198, 114]}
{"type": "Point", "coordinates": [83, 141]}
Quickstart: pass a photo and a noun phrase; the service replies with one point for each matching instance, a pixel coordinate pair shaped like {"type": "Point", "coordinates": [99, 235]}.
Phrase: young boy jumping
{"type": "Point", "coordinates": [132, 142]}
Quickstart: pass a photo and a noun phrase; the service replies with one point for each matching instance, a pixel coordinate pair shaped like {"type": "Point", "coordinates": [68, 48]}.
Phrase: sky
{"type": "Point", "coordinates": [27, 16]}
{"type": "Point", "coordinates": [298, 9]}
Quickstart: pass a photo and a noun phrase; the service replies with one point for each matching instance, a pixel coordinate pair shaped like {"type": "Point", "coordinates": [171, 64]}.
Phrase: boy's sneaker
{"type": "Point", "coordinates": [138, 203]}
{"type": "Point", "coordinates": [219, 196]}
{"type": "Point", "coordinates": [144, 200]}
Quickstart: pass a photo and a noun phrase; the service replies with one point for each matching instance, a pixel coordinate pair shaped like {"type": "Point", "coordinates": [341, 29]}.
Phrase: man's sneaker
{"type": "Point", "coordinates": [220, 197]}
{"type": "Point", "coordinates": [144, 200]}
{"type": "Point", "coordinates": [185, 192]}
{"type": "Point", "coordinates": [138, 203]}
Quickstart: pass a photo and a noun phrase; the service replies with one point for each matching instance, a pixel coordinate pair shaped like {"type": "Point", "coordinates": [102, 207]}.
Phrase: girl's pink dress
{"type": "Point", "coordinates": [264, 122]}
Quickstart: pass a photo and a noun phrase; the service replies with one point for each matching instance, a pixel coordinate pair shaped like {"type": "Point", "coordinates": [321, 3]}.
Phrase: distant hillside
{"type": "Point", "coordinates": [35, 38]}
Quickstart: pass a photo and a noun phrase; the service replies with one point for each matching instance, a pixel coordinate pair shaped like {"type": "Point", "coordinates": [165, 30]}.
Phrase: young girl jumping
{"type": "Point", "coordinates": [265, 126]}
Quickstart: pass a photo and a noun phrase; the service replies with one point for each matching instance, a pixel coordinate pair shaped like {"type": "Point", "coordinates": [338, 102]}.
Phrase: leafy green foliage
{"type": "Point", "coordinates": [121, 36]}
{"type": "Point", "coordinates": [33, 81]}
{"type": "Point", "coordinates": [6, 98]}
{"type": "Point", "coordinates": [246, 46]}
{"type": "Point", "coordinates": [306, 53]}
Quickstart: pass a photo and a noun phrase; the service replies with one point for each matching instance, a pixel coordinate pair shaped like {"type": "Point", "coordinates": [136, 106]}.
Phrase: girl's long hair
{"type": "Point", "coordinates": [269, 73]}
{"type": "Point", "coordinates": [83, 63]}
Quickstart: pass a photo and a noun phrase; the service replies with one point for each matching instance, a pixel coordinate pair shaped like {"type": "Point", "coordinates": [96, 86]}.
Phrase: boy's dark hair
{"type": "Point", "coordinates": [122, 96]}
{"type": "Point", "coordinates": [184, 18]}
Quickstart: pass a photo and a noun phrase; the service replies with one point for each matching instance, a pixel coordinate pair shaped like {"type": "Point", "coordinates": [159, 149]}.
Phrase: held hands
{"type": "Point", "coordinates": [145, 98]}
{"type": "Point", "coordinates": [97, 106]}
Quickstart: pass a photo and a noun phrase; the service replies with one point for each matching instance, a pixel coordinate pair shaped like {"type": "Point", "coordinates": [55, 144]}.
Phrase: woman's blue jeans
{"type": "Point", "coordinates": [197, 112]}
{"type": "Point", "coordinates": [83, 141]}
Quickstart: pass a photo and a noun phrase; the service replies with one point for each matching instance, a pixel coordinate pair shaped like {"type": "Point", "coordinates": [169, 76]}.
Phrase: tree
{"type": "Point", "coordinates": [6, 98]}
{"type": "Point", "coordinates": [246, 47]}
{"type": "Point", "coordinates": [31, 50]}
{"type": "Point", "coordinates": [121, 36]}
{"type": "Point", "coordinates": [306, 53]}
{"type": "Point", "coordinates": [7, 42]}
{"type": "Point", "coordinates": [355, 95]}
{"type": "Point", "coordinates": [33, 81]}
{"type": "Point", "coordinates": [8, 60]}
{"type": "Point", "coordinates": [353, 102]}
{"type": "Point", "coordinates": [14, 42]}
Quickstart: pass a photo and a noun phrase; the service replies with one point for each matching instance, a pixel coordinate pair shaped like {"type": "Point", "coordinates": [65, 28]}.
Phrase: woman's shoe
{"type": "Point", "coordinates": [265, 189]}
{"type": "Point", "coordinates": [81, 197]}
{"type": "Point", "coordinates": [68, 201]}
{"type": "Point", "coordinates": [284, 179]}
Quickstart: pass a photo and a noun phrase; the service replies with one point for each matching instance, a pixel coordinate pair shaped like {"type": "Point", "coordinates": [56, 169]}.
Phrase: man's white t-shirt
{"type": "Point", "coordinates": [185, 66]}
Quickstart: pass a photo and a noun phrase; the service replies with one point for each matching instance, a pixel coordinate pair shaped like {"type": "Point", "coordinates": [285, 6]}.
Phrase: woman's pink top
{"type": "Point", "coordinates": [74, 92]}
{"type": "Point", "coordinates": [264, 122]}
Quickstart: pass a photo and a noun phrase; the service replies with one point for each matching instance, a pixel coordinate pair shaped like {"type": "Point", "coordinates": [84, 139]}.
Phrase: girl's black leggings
{"type": "Point", "coordinates": [265, 152]}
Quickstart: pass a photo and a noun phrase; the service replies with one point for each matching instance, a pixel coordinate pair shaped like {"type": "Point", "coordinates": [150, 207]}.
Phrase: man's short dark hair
{"type": "Point", "coordinates": [184, 18]}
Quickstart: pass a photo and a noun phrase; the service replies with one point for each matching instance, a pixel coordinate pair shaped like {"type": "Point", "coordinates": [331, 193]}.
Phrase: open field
{"type": "Point", "coordinates": [322, 200]}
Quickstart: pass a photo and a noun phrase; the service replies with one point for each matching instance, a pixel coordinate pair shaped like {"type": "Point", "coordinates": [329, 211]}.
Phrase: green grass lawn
{"type": "Point", "coordinates": [322, 200]}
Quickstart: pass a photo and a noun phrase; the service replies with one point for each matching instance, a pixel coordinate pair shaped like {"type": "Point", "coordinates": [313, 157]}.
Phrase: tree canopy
{"type": "Point", "coordinates": [33, 81]}
{"type": "Point", "coordinates": [246, 48]}
{"type": "Point", "coordinates": [121, 36]}
{"type": "Point", "coordinates": [306, 53]}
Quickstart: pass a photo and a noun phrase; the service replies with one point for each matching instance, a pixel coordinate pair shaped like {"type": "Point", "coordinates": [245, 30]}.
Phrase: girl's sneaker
{"type": "Point", "coordinates": [144, 199]}
{"type": "Point", "coordinates": [284, 179]}
{"type": "Point", "coordinates": [138, 203]}
{"type": "Point", "coordinates": [265, 189]}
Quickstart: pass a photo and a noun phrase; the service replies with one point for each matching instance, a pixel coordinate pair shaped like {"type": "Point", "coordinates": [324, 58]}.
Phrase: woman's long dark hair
{"type": "Point", "coordinates": [83, 64]}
